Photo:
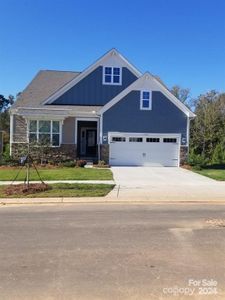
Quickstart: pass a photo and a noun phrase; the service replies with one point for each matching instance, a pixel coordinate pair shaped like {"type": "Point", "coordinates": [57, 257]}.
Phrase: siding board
{"type": "Point", "coordinates": [126, 116]}
{"type": "Point", "coordinates": [91, 91]}
{"type": "Point", "coordinates": [68, 131]}
{"type": "Point", "coordinates": [19, 129]}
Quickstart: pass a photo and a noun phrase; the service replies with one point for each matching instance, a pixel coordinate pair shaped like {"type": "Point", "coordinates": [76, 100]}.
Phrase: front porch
{"type": "Point", "coordinates": [87, 139]}
{"type": "Point", "coordinates": [79, 139]}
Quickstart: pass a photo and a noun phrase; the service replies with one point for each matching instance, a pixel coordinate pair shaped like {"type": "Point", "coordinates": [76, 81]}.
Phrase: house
{"type": "Point", "coordinates": [110, 112]}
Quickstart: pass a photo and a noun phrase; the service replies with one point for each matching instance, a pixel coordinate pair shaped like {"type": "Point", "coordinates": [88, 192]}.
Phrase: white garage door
{"type": "Point", "coordinates": [144, 150]}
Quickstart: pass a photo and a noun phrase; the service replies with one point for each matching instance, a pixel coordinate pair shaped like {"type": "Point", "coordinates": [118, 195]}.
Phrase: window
{"type": "Point", "coordinates": [146, 100]}
{"type": "Point", "coordinates": [44, 132]}
{"type": "Point", "coordinates": [112, 75]}
{"type": "Point", "coordinates": [135, 139]}
{"type": "Point", "coordinates": [152, 140]}
{"type": "Point", "coordinates": [169, 140]}
{"type": "Point", "coordinates": [118, 139]}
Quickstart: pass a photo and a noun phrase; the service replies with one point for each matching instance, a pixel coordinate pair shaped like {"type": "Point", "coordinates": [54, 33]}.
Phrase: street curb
{"type": "Point", "coordinates": [30, 201]}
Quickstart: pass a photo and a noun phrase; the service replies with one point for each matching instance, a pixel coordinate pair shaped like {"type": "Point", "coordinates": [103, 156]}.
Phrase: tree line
{"type": "Point", "coordinates": [207, 130]}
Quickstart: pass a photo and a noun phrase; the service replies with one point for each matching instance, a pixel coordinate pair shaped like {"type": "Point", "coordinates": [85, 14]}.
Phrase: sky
{"type": "Point", "coordinates": [181, 41]}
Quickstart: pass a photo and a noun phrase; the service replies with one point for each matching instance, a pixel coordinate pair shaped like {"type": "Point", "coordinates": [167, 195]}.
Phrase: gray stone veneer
{"type": "Point", "coordinates": [54, 154]}
{"type": "Point", "coordinates": [183, 154]}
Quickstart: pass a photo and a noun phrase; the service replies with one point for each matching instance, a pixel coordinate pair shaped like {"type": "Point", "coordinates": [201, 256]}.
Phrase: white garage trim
{"type": "Point", "coordinates": [124, 150]}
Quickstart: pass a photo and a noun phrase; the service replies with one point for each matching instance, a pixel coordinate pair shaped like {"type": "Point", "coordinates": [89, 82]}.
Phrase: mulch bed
{"type": "Point", "coordinates": [23, 189]}
{"type": "Point", "coordinates": [187, 167]}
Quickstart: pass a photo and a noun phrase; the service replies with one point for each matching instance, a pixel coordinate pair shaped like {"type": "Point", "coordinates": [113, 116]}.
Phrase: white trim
{"type": "Point", "coordinates": [178, 162]}
{"type": "Point", "coordinates": [101, 130]}
{"type": "Point", "coordinates": [188, 132]}
{"type": "Point", "coordinates": [39, 108]}
{"type": "Point", "coordinates": [142, 99]}
{"type": "Point", "coordinates": [60, 132]}
{"type": "Point", "coordinates": [11, 134]}
{"type": "Point", "coordinates": [143, 134]}
{"type": "Point", "coordinates": [112, 69]}
{"type": "Point", "coordinates": [151, 83]}
{"type": "Point", "coordinates": [87, 71]}
{"type": "Point", "coordinates": [44, 118]}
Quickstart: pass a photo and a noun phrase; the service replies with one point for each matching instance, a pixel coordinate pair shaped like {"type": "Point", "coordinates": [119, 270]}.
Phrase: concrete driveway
{"type": "Point", "coordinates": [169, 184]}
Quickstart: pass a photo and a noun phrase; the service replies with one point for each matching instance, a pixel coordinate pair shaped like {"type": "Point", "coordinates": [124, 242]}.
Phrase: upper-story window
{"type": "Point", "coordinates": [146, 100]}
{"type": "Point", "coordinates": [112, 75]}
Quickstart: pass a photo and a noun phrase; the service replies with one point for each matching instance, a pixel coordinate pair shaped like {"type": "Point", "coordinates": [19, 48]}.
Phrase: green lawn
{"type": "Point", "coordinates": [58, 174]}
{"type": "Point", "coordinates": [217, 174]}
{"type": "Point", "coordinates": [66, 190]}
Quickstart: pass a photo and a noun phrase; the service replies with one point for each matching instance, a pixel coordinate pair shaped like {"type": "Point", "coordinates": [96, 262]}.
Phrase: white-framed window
{"type": "Point", "coordinates": [112, 75]}
{"type": "Point", "coordinates": [136, 139]}
{"type": "Point", "coordinates": [44, 132]}
{"type": "Point", "coordinates": [169, 140]}
{"type": "Point", "coordinates": [118, 139]}
{"type": "Point", "coordinates": [146, 100]}
{"type": "Point", "coordinates": [152, 140]}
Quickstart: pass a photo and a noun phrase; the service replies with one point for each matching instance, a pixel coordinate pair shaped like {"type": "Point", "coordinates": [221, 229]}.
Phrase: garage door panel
{"type": "Point", "coordinates": [144, 153]}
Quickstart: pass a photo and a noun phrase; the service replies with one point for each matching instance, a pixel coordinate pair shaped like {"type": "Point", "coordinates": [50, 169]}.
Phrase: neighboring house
{"type": "Point", "coordinates": [110, 112]}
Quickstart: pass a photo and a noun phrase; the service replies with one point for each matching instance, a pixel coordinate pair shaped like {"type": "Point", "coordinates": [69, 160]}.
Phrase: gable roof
{"type": "Point", "coordinates": [44, 84]}
{"type": "Point", "coordinates": [112, 53]}
{"type": "Point", "coordinates": [147, 81]}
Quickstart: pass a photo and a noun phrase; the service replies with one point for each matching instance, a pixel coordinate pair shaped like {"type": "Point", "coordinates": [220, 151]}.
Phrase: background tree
{"type": "Point", "coordinates": [184, 95]}
{"type": "Point", "coordinates": [5, 104]}
{"type": "Point", "coordinates": [207, 135]}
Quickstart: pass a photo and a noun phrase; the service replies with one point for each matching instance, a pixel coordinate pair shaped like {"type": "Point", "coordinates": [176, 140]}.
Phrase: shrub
{"type": "Point", "coordinates": [6, 159]}
{"type": "Point", "coordinates": [69, 164]}
{"type": "Point", "coordinates": [196, 159]}
{"type": "Point", "coordinates": [81, 163]}
{"type": "Point", "coordinates": [101, 163]}
{"type": "Point", "coordinates": [6, 153]}
{"type": "Point", "coordinates": [218, 154]}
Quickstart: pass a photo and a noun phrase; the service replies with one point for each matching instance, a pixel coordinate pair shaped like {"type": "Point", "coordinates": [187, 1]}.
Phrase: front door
{"type": "Point", "coordinates": [91, 142]}
{"type": "Point", "coordinates": [87, 139]}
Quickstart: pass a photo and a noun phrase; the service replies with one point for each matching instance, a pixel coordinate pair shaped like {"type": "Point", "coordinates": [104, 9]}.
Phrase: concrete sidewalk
{"type": "Point", "coordinates": [62, 181]}
{"type": "Point", "coordinates": [107, 199]}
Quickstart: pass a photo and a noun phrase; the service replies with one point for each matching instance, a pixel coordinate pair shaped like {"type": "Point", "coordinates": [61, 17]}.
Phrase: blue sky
{"type": "Point", "coordinates": [182, 41]}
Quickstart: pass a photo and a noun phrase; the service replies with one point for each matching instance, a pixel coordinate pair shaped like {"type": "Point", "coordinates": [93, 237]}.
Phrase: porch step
{"type": "Point", "coordinates": [89, 164]}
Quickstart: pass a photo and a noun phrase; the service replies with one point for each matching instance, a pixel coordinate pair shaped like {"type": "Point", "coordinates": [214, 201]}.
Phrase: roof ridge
{"type": "Point", "coordinates": [60, 71]}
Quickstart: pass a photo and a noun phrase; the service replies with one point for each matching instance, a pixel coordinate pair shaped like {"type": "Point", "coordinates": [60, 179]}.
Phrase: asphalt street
{"type": "Point", "coordinates": [112, 251]}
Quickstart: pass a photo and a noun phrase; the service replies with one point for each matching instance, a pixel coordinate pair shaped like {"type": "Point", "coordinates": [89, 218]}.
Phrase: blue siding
{"type": "Point", "coordinates": [91, 91]}
{"type": "Point", "coordinates": [126, 116]}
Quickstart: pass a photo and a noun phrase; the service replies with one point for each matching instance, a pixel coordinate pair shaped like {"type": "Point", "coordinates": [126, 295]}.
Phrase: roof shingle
{"type": "Point", "coordinates": [44, 84]}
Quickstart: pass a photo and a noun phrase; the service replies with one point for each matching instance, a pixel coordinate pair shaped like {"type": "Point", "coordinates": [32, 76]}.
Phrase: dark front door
{"type": "Point", "coordinates": [91, 142]}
